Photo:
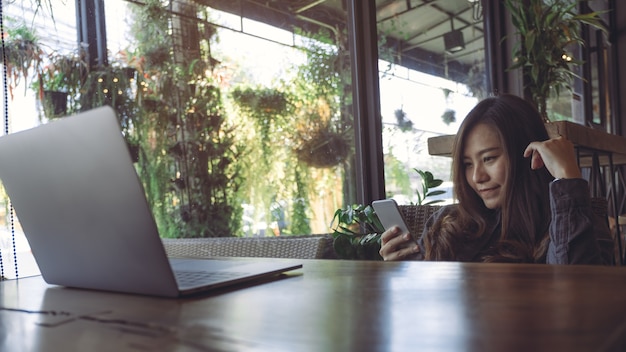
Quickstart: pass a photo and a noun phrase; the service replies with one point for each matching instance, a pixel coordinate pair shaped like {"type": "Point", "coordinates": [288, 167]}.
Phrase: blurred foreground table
{"type": "Point", "coordinates": [333, 305]}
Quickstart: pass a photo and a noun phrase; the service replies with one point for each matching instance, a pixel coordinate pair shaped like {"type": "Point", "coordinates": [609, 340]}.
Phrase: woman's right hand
{"type": "Point", "coordinates": [395, 246]}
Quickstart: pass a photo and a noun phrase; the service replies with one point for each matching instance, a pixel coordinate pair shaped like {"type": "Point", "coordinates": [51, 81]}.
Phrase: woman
{"type": "Point", "coordinates": [521, 197]}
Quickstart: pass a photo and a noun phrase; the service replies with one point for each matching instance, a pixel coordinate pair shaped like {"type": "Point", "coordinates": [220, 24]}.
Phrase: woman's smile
{"type": "Point", "coordinates": [485, 164]}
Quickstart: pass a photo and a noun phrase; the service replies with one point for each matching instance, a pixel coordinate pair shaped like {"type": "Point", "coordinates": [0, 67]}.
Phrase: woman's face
{"type": "Point", "coordinates": [485, 163]}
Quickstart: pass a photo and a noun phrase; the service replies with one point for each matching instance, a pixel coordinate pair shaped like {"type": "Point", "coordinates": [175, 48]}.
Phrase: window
{"type": "Point", "coordinates": [240, 115]}
{"type": "Point", "coordinates": [432, 72]}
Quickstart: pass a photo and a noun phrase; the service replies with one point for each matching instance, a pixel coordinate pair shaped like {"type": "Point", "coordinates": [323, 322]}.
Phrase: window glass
{"type": "Point", "coordinates": [32, 41]}
{"type": "Point", "coordinates": [257, 136]}
{"type": "Point", "coordinates": [432, 72]}
{"type": "Point", "coordinates": [238, 113]}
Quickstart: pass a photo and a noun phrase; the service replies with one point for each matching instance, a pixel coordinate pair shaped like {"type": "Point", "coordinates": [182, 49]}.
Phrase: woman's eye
{"type": "Point", "coordinates": [489, 158]}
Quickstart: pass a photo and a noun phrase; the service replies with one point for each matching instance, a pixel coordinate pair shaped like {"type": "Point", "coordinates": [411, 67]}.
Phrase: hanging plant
{"type": "Point", "coordinates": [54, 103]}
{"type": "Point", "coordinates": [476, 80]}
{"type": "Point", "coordinates": [322, 148]}
{"type": "Point", "coordinates": [404, 124]}
{"type": "Point", "coordinates": [64, 72]}
{"type": "Point", "coordinates": [318, 142]}
{"type": "Point", "coordinates": [22, 55]}
{"type": "Point", "coordinates": [268, 108]}
{"type": "Point", "coordinates": [261, 101]}
{"type": "Point", "coordinates": [449, 116]}
{"type": "Point", "coordinates": [157, 56]}
{"type": "Point", "coordinates": [60, 82]}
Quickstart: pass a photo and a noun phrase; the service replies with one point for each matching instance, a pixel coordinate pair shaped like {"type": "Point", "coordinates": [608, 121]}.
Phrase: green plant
{"type": "Point", "coordinates": [449, 116]}
{"type": "Point", "coordinates": [357, 229]}
{"type": "Point", "coordinates": [428, 181]}
{"type": "Point", "coordinates": [109, 85]}
{"type": "Point", "coordinates": [356, 232]}
{"type": "Point", "coordinates": [318, 143]}
{"type": "Point", "coordinates": [322, 148]}
{"type": "Point", "coordinates": [261, 101]}
{"type": "Point", "coordinates": [404, 124]}
{"type": "Point", "coordinates": [64, 75]}
{"type": "Point", "coordinates": [548, 30]}
{"type": "Point", "coordinates": [190, 153]}
{"type": "Point", "coordinates": [22, 55]}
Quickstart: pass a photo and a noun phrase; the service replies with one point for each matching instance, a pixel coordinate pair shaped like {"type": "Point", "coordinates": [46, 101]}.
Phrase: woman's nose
{"type": "Point", "coordinates": [479, 174]}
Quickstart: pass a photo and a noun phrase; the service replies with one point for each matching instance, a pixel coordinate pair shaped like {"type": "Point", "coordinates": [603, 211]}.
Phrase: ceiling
{"type": "Point", "coordinates": [412, 30]}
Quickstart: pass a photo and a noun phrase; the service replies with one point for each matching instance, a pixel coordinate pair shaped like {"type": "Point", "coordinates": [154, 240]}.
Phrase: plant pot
{"type": "Point", "coordinates": [55, 103]}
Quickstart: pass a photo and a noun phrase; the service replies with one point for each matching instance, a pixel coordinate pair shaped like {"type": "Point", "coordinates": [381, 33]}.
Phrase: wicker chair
{"type": "Point", "coordinates": [416, 216]}
{"type": "Point", "coordinates": [298, 247]}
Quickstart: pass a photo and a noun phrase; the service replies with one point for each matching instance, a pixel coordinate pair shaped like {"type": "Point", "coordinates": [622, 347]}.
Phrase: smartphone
{"type": "Point", "coordinates": [389, 214]}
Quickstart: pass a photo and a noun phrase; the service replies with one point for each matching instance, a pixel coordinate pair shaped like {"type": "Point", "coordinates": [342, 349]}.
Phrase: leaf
{"type": "Point", "coordinates": [435, 183]}
{"type": "Point", "coordinates": [428, 181]}
{"type": "Point", "coordinates": [370, 238]}
{"type": "Point", "coordinates": [546, 29]}
{"type": "Point", "coordinates": [343, 247]}
{"type": "Point", "coordinates": [435, 193]}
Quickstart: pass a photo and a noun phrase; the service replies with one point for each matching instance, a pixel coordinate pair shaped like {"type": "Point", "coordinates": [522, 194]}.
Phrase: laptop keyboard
{"type": "Point", "coordinates": [196, 278]}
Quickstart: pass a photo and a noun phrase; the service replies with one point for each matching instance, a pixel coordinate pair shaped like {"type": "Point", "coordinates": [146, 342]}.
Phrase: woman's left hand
{"type": "Point", "coordinates": [557, 155]}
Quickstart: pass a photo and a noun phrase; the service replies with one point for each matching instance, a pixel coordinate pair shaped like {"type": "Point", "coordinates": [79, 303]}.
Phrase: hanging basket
{"type": "Point", "coordinates": [323, 149]}
{"type": "Point", "coordinates": [55, 103]}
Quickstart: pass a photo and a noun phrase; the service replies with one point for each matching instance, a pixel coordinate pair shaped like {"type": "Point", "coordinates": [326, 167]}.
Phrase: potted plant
{"type": "Point", "coordinates": [428, 181]}
{"type": "Point", "coordinates": [23, 55]}
{"type": "Point", "coordinates": [356, 233]}
{"type": "Point", "coordinates": [404, 124]}
{"type": "Point", "coordinates": [63, 77]}
{"type": "Point", "coordinates": [357, 229]}
{"type": "Point", "coordinates": [319, 141]}
{"type": "Point", "coordinates": [547, 31]}
{"type": "Point", "coordinates": [322, 147]}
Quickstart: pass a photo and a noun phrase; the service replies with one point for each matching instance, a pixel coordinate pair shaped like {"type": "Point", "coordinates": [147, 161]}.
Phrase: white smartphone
{"type": "Point", "coordinates": [389, 214]}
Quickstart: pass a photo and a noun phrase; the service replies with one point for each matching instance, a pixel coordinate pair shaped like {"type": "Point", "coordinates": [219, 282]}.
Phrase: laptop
{"type": "Point", "coordinates": [84, 212]}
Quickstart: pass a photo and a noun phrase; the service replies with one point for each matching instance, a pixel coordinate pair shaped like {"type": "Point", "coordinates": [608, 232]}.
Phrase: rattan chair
{"type": "Point", "coordinates": [299, 247]}
{"type": "Point", "coordinates": [416, 216]}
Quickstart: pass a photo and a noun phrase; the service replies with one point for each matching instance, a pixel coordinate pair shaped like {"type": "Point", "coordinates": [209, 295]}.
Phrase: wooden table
{"type": "Point", "coordinates": [333, 305]}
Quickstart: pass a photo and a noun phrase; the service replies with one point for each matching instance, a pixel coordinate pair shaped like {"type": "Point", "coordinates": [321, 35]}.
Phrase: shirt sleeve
{"type": "Point", "coordinates": [577, 234]}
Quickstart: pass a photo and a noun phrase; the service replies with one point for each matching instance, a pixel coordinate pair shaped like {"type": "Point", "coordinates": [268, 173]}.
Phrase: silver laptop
{"type": "Point", "coordinates": [84, 212]}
